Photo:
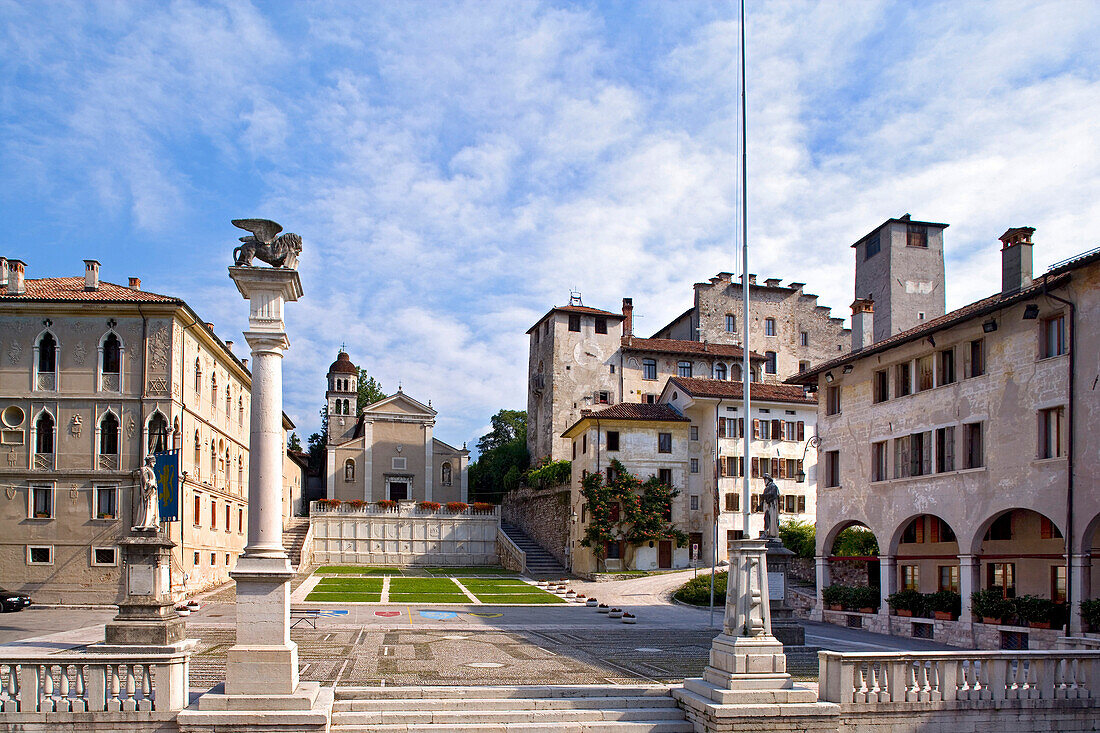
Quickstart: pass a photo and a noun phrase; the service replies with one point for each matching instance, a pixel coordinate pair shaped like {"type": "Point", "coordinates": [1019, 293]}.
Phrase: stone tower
{"type": "Point", "coordinates": [899, 266]}
{"type": "Point", "coordinates": [340, 398]}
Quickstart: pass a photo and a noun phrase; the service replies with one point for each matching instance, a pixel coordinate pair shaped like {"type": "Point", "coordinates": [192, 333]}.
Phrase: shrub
{"type": "Point", "coordinates": [1034, 608]}
{"type": "Point", "coordinates": [697, 590]}
{"type": "Point", "coordinates": [945, 601]}
{"type": "Point", "coordinates": [1090, 612]}
{"type": "Point", "coordinates": [386, 504]}
{"type": "Point", "coordinates": [330, 503]}
{"type": "Point", "coordinates": [482, 506]}
{"type": "Point", "coordinates": [430, 506]}
{"type": "Point", "coordinates": [357, 504]}
{"type": "Point", "coordinates": [798, 537]}
{"type": "Point", "coordinates": [864, 596]}
{"type": "Point", "coordinates": [836, 595]}
{"type": "Point", "coordinates": [855, 541]}
{"type": "Point", "coordinates": [991, 604]}
{"type": "Point", "coordinates": [909, 600]}
{"type": "Point", "coordinates": [457, 507]}
{"type": "Point", "coordinates": [551, 473]}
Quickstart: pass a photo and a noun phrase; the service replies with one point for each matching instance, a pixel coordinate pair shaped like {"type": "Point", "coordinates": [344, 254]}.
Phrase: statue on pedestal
{"type": "Point", "coordinates": [267, 244]}
{"type": "Point", "coordinates": [149, 509]}
{"type": "Point", "coordinates": [770, 497]}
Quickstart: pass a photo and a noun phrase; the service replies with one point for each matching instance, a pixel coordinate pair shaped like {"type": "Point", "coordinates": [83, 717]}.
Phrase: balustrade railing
{"type": "Point", "coordinates": [404, 509]}
{"type": "Point", "coordinates": [43, 461]}
{"type": "Point", "coordinates": [885, 678]}
{"type": "Point", "coordinates": [80, 682]}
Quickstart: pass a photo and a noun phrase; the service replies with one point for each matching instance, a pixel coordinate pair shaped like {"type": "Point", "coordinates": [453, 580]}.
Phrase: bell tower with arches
{"type": "Point", "coordinates": [340, 398]}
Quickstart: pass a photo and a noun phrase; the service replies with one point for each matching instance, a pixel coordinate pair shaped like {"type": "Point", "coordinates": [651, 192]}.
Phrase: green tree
{"type": "Point", "coordinates": [855, 541]}
{"type": "Point", "coordinates": [370, 390]}
{"type": "Point", "coordinates": [500, 451]}
{"type": "Point", "coordinates": [294, 443]}
{"type": "Point", "coordinates": [798, 537]}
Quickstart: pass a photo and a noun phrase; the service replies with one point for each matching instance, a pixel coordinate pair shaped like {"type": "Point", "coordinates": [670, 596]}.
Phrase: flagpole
{"type": "Point", "coordinates": [746, 366]}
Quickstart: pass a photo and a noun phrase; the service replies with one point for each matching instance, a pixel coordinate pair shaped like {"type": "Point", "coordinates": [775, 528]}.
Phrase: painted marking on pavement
{"type": "Point", "coordinates": [484, 615]}
{"type": "Point", "coordinates": [387, 614]}
{"type": "Point", "coordinates": [645, 649]}
{"type": "Point", "coordinates": [439, 615]}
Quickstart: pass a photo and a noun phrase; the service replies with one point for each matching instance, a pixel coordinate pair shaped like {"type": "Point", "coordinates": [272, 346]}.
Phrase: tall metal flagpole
{"type": "Point", "coordinates": [745, 370]}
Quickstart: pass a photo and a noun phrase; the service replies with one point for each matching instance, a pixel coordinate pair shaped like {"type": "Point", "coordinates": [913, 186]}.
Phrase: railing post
{"type": "Point", "coordinates": [949, 680]}
{"type": "Point", "coordinates": [29, 690]}
{"type": "Point", "coordinates": [998, 678]}
{"type": "Point", "coordinates": [96, 687]}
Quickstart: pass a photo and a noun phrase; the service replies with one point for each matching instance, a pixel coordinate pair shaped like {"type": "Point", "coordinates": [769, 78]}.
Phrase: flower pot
{"type": "Point", "coordinates": [615, 613]}
{"type": "Point", "coordinates": [904, 612]}
{"type": "Point", "coordinates": [603, 608]}
{"type": "Point", "coordinates": [1039, 624]}
{"type": "Point", "coordinates": [944, 615]}
{"type": "Point", "coordinates": [591, 603]}
{"type": "Point", "coordinates": [183, 611]}
{"type": "Point", "coordinates": [835, 607]}
{"type": "Point", "coordinates": [866, 609]}
{"type": "Point", "coordinates": [993, 621]}
{"type": "Point", "coordinates": [629, 618]}
{"type": "Point", "coordinates": [570, 594]}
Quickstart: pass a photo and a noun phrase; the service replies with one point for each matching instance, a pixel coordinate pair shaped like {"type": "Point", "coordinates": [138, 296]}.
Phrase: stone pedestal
{"type": "Point", "coordinates": [785, 626]}
{"type": "Point", "coordinates": [147, 617]}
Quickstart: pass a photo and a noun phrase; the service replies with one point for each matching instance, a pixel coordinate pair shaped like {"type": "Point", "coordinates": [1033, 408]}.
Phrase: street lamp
{"type": "Point", "coordinates": [812, 442]}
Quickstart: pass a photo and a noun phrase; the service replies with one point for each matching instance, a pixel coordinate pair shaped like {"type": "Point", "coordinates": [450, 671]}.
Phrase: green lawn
{"type": "Point", "coordinates": [470, 570]}
{"type": "Point", "coordinates": [423, 585]}
{"type": "Point", "coordinates": [357, 570]}
{"type": "Point", "coordinates": [344, 597]}
{"type": "Point", "coordinates": [347, 588]}
{"type": "Point", "coordinates": [505, 599]}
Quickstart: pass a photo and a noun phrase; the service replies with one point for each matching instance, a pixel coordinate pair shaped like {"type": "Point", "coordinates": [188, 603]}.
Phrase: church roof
{"type": "Point", "coordinates": [72, 289]}
{"type": "Point", "coordinates": [343, 365]}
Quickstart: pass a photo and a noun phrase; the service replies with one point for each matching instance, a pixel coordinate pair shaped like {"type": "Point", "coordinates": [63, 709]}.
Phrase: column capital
{"type": "Point", "coordinates": [968, 559]}
{"type": "Point", "coordinates": [267, 342]}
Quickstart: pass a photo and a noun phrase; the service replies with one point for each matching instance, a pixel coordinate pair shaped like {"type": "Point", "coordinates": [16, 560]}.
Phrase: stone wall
{"type": "Point", "coordinates": [1015, 715]}
{"type": "Point", "coordinates": [851, 572]}
{"type": "Point", "coordinates": [396, 539]}
{"type": "Point", "coordinates": [803, 568]}
{"type": "Point", "coordinates": [543, 515]}
{"type": "Point", "coordinates": [955, 633]}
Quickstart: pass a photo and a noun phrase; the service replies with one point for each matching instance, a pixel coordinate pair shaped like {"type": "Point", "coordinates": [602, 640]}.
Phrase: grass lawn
{"type": "Point", "coordinates": [356, 570]}
{"type": "Point", "coordinates": [405, 590]}
{"type": "Point", "coordinates": [415, 598]}
{"type": "Point", "coordinates": [343, 597]}
{"type": "Point", "coordinates": [494, 583]}
{"type": "Point", "coordinates": [445, 586]}
{"type": "Point", "coordinates": [470, 570]}
{"type": "Point", "coordinates": [372, 585]}
{"type": "Point", "coordinates": [512, 599]}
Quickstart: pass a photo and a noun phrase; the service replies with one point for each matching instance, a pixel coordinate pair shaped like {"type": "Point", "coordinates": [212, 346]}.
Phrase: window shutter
{"type": "Point", "coordinates": [927, 458]}
{"type": "Point", "coordinates": [918, 525]}
{"type": "Point", "coordinates": [777, 429]}
{"type": "Point", "coordinates": [780, 469]}
{"type": "Point", "coordinates": [801, 430]}
{"type": "Point", "coordinates": [721, 427]}
{"type": "Point", "coordinates": [934, 530]}
{"type": "Point", "coordinates": [1046, 531]}
{"type": "Point", "coordinates": [756, 429]}
{"type": "Point", "coordinates": [740, 427]}
{"type": "Point", "coordinates": [755, 467]}
{"type": "Point", "coordinates": [722, 466]}
{"type": "Point", "coordinates": [949, 448]}
{"type": "Point", "coordinates": [802, 505]}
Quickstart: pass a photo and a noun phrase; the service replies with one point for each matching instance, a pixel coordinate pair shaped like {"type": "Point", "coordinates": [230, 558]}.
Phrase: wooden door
{"type": "Point", "coordinates": [664, 554]}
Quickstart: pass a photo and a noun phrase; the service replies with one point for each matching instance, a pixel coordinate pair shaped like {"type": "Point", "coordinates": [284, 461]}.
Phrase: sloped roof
{"type": "Point", "coordinates": [343, 364]}
{"type": "Point", "coordinates": [72, 289]}
{"type": "Point", "coordinates": [677, 346]}
{"type": "Point", "coordinates": [581, 309]}
{"type": "Point", "coordinates": [722, 389]}
{"type": "Point", "coordinates": [630, 411]}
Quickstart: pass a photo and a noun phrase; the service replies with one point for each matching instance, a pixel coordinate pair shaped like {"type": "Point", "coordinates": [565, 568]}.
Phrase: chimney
{"type": "Point", "coordinates": [209, 327]}
{"type": "Point", "coordinates": [91, 274]}
{"type": "Point", "coordinates": [752, 279]}
{"type": "Point", "coordinates": [3, 274]}
{"type": "Point", "coordinates": [245, 363]}
{"type": "Point", "coordinates": [1016, 259]}
{"type": "Point", "coordinates": [863, 323]}
{"type": "Point", "coordinates": [628, 316]}
{"type": "Point", "coordinates": [16, 268]}
{"type": "Point", "coordinates": [135, 283]}
{"type": "Point", "coordinates": [773, 282]}
{"type": "Point", "coordinates": [229, 346]}
{"type": "Point", "coordinates": [797, 287]}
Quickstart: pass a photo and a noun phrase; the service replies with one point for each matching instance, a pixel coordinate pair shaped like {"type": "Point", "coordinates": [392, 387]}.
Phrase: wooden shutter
{"type": "Point", "coordinates": [934, 529]}
{"type": "Point", "coordinates": [802, 505]}
{"type": "Point", "coordinates": [926, 459]}
{"type": "Point", "coordinates": [740, 427]}
{"type": "Point", "coordinates": [801, 430]}
{"type": "Point", "coordinates": [780, 468]}
{"type": "Point", "coordinates": [756, 429]}
{"type": "Point", "coordinates": [755, 467]}
{"type": "Point", "coordinates": [721, 427]}
{"type": "Point", "coordinates": [918, 526]}
{"type": "Point", "coordinates": [777, 429]}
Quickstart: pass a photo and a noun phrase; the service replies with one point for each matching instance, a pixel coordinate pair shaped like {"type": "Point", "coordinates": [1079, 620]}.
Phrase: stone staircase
{"type": "Point", "coordinates": [293, 538]}
{"type": "Point", "coordinates": [539, 561]}
{"type": "Point", "coordinates": [554, 709]}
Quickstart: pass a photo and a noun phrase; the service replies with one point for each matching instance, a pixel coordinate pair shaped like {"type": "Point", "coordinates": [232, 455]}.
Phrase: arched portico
{"type": "Point", "coordinates": [849, 548]}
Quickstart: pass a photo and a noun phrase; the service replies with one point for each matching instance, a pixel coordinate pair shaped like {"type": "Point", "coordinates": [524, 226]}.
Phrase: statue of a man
{"type": "Point", "coordinates": [149, 511]}
{"type": "Point", "coordinates": [770, 498]}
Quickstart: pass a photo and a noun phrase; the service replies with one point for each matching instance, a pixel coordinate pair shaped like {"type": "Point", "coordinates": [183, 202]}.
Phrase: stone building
{"type": "Point", "coordinates": [387, 450]}
{"type": "Point", "coordinates": [783, 424]}
{"type": "Point", "coordinates": [788, 326]}
{"type": "Point", "coordinates": [967, 442]}
{"type": "Point", "coordinates": [96, 376]}
{"type": "Point", "coordinates": [580, 359]}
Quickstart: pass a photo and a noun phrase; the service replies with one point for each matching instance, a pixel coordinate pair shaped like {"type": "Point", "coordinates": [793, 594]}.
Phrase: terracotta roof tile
{"type": "Point", "coordinates": [72, 289]}
{"type": "Point", "coordinates": [677, 346]}
{"type": "Point", "coordinates": [718, 388]}
{"type": "Point", "coordinates": [631, 411]}
{"type": "Point", "coordinates": [581, 309]}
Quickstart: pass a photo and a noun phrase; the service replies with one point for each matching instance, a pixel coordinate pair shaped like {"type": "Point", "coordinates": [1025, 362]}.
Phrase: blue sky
{"type": "Point", "coordinates": [455, 168]}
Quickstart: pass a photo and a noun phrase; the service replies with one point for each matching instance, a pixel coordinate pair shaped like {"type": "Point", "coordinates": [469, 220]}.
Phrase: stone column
{"type": "Point", "coordinates": [888, 583]}
{"type": "Point", "coordinates": [264, 661]}
{"type": "Point", "coordinates": [1080, 571]}
{"type": "Point", "coordinates": [824, 578]}
{"type": "Point", "coordinates": [968, 583]}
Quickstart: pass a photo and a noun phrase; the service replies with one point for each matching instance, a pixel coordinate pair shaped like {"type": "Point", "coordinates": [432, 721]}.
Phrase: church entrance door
{"type": "Point", "coordinates": [399, 490]}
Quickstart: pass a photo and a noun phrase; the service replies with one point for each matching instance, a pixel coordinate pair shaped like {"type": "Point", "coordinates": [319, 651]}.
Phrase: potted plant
{"type": "Point", "coordinates": [1035, 611]}
{"type": "Point", "coordinates": [946, 605]}
{"type": "Point", "coordinates": [1090, 613]}
{"type": "Point", "coordinates": [907, 603]}
{"type": "Point", "coordinates": [430, 506]}
{"type": "Point", "coordinates": [834, 596]}
{"type": "Point", "coordinates": [330, 504]}
{"type": "Point", "coordinates": [482, 506]}
{"type": "Point", "coordinates": [357, 504]}
{"type": "Point", "coordinates": [991, 605]}
{"type": "Point", "coordinates": [865, 598]}
{"type": "Point", "coordinates": [457, 507]}
{"type": "Point", "coordinates": [386, 504]}
{"type": "Point", "coordinates": [629, 618]}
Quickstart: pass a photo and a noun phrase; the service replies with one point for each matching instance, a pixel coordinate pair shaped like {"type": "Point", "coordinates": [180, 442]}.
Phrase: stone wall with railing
{"type": "Point", "coordinates": [405, 534]}
{"type": "Point", "coordinates": [953, 632]}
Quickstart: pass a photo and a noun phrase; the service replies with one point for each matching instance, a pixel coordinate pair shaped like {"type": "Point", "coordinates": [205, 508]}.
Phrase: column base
{"type": "Point", "coordinates": [264, 661]}
{"type": "Point", "coordinates": [309, 708]}
{"type": "Point", "coordinates": [262, 669]}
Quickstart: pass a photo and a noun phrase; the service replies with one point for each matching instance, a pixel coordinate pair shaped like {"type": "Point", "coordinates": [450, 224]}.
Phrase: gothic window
{"type": "Point", "coordinates": [213, 461]}
{"type": "Point", "coordinates": [213, 392]}
{"type": "Point", "coordinates": [110, 363]}
{"type": "Point", "coordinates": [198, 454]}
{"type": "Point", "coordinates": [240, 472]}
{"type": "Point", "coordinates": [737, 373]}
{"type": "Point", "coordinates": [228, 463]}
{"type": "Point", "coordinates": [347, 408]}
{"type": "Point", "coordinates": [240, 410]}
{"type": "Point", "coordinates": [720, 371]}
{"type": "Point", "coordinates": [108, 435]}
{"type": "Point", "coordinates": [445, 475]}
{"type": "Point", "coordinates": [349, 470]}
{"type": "Point", "coordinates": [177, 435]}
{"type": "Point", "coordinates": [228, 402]}
{"type": "Point", "coordinates": [43, 434]}
{"type": "Point", "coordinates": [198, 376]}
{"type": "Point", "coordinates": [47, 362]}
{"type": "Point", "coordinates": [158, 433]}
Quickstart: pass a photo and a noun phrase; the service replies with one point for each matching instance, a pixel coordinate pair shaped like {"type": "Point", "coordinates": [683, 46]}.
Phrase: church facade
{"type": "Point", "coordinates": [387, 450]}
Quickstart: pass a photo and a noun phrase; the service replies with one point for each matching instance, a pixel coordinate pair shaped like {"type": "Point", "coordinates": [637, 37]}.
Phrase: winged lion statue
{"type": "Point", "coordinates": [266, 244]}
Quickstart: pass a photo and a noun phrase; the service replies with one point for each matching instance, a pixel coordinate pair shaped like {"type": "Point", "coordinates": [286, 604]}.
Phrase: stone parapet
{"type": "Point", "coordinates": [543, 515]}
{"type": "Point", "coordinates": [405, 539]}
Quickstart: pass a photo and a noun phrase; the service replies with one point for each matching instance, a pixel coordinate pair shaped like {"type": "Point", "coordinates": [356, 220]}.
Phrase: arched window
{"type": "Point", "coordinates": [228, 402]}
{"type": "Point", "coordinates": [198, 376]}
{"type": "Point", "coordinates": [228, 463]}
{"type": "Point", "coordinates": [158, 433]}
{"type": "Point", "coordinates": [735, 372]}
{"type": "Point", "coordinates": [198, 455]}
{"type": "Point", "coordinates": [108, 435]}
{"type": "Point", "coordinates": [176, 434]}
{"type": "Point", "coordinates": [445, 474]}
{"type": "Point", "coordinates": [43, 434]}
{"type": "Point", "coordinates": [347, 408]}
{"type": "Point", "coordinates": [240, 472]}
{"type": "Point", "coordinates": [213, 461]}
{"type": "Point", "coordinates": [720, 371]}
{"type": "Point", "coordinates": [110, 355]}
{"type": "Point", "coordinates": [46, 349]}
{"type": "Point", "coordinates": [240, 410]}
{"type": "Point", "coordinates": [754, 374]}
{"type": "Point", "coordinates": [349, 470]}
{"type": "Point", "coordinates": [213, 392]}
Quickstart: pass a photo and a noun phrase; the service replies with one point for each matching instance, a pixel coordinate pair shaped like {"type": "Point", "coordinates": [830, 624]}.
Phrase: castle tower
{"type": "Point", "coordinates": [899, 266]}
{"type": "Point", "coordinates": [340, 398]}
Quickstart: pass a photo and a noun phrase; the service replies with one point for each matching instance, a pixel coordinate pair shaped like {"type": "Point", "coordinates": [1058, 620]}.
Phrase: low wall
{"type": "Point", "coordinates": [404, 539]}
{"type": "Point", "coordinates": [953, 633]}
{"type": "Point", "coordinates": [543, 515]}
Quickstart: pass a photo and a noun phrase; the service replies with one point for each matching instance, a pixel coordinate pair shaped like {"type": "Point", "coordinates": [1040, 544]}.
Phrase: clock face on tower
{"type": "Point", "coordinates": [588, 353]}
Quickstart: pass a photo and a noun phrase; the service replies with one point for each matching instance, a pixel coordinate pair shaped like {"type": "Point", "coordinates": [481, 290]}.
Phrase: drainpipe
{"type": "Point", "coordinates": [1069, 448]}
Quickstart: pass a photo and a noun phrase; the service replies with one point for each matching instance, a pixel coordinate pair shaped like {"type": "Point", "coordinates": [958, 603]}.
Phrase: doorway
{"type": "Point", "coordinates": [399, 490]}
{"type": "Point", "coordinates": [664, 554]}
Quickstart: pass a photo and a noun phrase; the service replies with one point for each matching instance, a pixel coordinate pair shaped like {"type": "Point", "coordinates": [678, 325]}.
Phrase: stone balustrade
{"type": "Point", "coordinates": [403, 509]}
{"type": "Point", "coordinates": [886, 678]}
{"type": "Point", "coordinates": [81, 682]}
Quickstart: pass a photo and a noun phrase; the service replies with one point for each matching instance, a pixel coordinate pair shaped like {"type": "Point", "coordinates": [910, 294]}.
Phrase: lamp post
{"type": "Point", "coordinates": [813, 442]}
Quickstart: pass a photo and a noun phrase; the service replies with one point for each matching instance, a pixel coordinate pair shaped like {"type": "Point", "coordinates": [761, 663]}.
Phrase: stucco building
{"type": "Point", "coordinates": [94, 377]}
{"type": "Point", "coordinates": [967, 442]}
{"type": "Point", "coordinates": [387, 450]}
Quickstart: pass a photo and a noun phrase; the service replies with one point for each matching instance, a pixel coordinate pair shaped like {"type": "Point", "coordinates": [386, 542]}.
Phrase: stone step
{"type": "Point", "coordinates": [475, 714]}
{"type": "Point", "coordinates": [606, 726]}
{"type": "Point", "coordinates": [532, 692]}
{"type": "Point", "coordinates": [505, 704]}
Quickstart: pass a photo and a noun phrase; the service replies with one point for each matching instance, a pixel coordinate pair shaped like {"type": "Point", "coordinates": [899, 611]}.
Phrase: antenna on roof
{"type": "Point", "coordinates": [575, 297]}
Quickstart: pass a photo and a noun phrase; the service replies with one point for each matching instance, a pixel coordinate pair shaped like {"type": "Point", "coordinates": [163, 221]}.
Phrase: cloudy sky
{"type": "Point", "coordinates": [455, 168]}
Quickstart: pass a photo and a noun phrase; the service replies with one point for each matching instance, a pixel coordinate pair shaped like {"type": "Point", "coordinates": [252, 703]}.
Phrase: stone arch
{"type": "Point", "coordinates": [156, 433]}
{"type": "Point", "coordinates": [110, 429]}
{"type": "Point", "coordinates": [720, 370]}
{"type": "Point", "coordinates": [112, 349]}
{"type": "Point", "coordinates": [925, 549]}
{"type": "Point", "coordinates": [927, 530]}
{"type": "Point", "coordinates": [1021, 551]}
{"type": "Point", "coordinates": [45, 432]}
{"type": "Point", "coordinates": [828, 540]}
{"type": "Point", "coordinates": [976, 539]}
{"type": "Point", "coordinates": [1090, 538]}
